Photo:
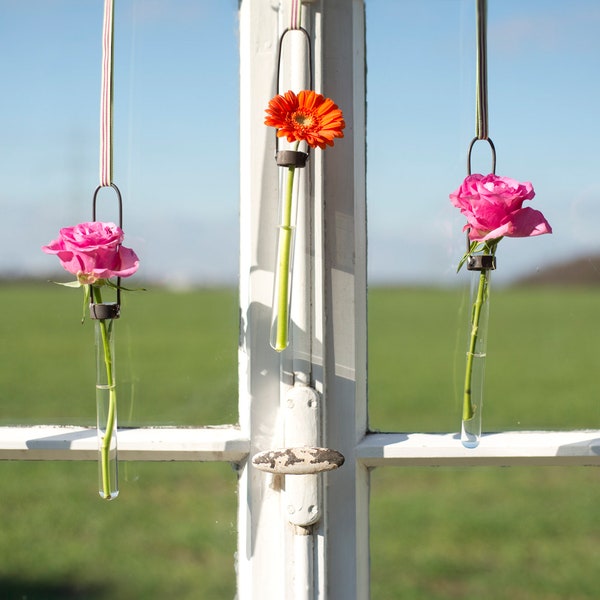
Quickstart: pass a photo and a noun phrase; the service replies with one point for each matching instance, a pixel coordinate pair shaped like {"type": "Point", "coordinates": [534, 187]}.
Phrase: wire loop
{"type": "Point", "coordinates": [119, 201]}
{"type": "Point", "coordinates": [310, 70]}
{"type": "Point", "coordinates": [492, 148]}
{"type": "Point", "coordinates": [309, 50]}
{"type": "Point", "coordinates": [120, 205]}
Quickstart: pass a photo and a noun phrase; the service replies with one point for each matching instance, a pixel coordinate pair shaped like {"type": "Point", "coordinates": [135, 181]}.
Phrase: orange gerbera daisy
{"type": "Point", "coordinates": [306, 117]}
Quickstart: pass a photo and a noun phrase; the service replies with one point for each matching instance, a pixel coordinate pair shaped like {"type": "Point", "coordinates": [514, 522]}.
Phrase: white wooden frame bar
{"type": "Point", "coordinates": [544, 448]}
{"type": "Point", "coordinates": [55, 442]}
{"type": "Point", "coordinates": [228, 444]}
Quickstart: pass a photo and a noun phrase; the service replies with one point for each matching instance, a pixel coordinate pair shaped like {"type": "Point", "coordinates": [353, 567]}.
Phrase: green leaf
{"type": "Point", "coordinates": [462, 261]}
{"type": "Point", "coordinates": [71, 284]}
{"type": "Point", "coordinates": [114, 286]}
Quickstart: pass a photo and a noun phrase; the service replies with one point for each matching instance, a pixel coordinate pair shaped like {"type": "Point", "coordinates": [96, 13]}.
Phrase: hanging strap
{"type": "Point", "coordinates": [106, 96]}
{"type": "Point", "coordinates": [481, 87]}
{"type": "Point", "coordinates": [296, 13]}
{"type": "Point", "coordinates": [482, 129]}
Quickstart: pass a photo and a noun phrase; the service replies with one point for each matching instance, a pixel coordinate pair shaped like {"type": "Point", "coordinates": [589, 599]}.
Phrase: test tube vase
{"type": "Point", "coordinates": [481, 265]}
{"type": "Point", "coordinates": [104, 317]}
{"type": "Point", "coordinates": [288, 162]}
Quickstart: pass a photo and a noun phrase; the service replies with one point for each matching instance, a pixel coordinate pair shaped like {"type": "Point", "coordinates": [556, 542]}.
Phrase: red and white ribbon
{"type": "Point", "coordinates": [296, 11]}
{"type": "Point", "coordinates": [106, 96]}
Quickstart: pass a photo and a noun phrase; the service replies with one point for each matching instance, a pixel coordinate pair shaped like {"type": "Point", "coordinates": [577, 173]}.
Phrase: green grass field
{"type": "Point", "coordinates": [519, 533]}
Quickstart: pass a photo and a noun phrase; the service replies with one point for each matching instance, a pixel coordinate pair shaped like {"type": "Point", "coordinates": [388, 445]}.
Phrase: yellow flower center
{"type": "Point", "coordinates": [302, 119]}
{"type": "Point", "coordinates": [86, 278]}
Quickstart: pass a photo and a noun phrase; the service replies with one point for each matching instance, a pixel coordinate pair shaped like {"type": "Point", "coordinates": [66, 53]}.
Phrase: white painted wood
{"type": "Point", "coordinates": [340, 74]}
{"type": "Point", "coordinates": [51, 442]}
{"type": "Point", "coordinates": [302, 412]}
{"type": "Point", "coordinates": [328, 350]}
{"type": "Point", "coordinates": [228, 444]}
{"type": "Point", "coordinates": [303, 573]}
{"type": "Point", "coordinates": [263, 530]}
{"type": "Point", "coordinates": [552, 448]}
{"type": "Point", "coordinates": [268, 563]}
{"type": "Point", "coordinates": [301, 403]}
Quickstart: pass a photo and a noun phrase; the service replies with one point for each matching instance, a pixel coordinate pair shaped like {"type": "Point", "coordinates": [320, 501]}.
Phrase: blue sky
{"type": "Point", "coordinates": [176, 148]}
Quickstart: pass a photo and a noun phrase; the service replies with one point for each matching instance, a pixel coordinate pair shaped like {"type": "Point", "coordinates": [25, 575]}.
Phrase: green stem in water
{"type": "Point", "coordinates": [284, 265]}
{"type": "Point", "coordinates": [112, 404]}
{"type": "Point", "coordinates": [468, 408]}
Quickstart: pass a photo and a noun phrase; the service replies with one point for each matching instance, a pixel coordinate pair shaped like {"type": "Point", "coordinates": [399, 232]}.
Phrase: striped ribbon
{"type": "Point", "coordinates": [296, 12]}
{"type": "Point", "coordinates": [106, 97]}
{"type": "Point", "coordinates": [481, 123]}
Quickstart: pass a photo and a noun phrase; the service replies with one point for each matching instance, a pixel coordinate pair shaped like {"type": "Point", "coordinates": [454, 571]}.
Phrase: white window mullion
{"type": "Point", "coordinates": [338, 568]}
{"type": "Point", "coordinates": [262, 528]}
{"type": "Point", "coordinates": [343, 196]}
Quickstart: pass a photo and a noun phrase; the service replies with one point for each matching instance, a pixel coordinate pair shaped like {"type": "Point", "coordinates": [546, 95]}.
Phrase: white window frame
{"type": "Point", "coordinates": [282, 553]}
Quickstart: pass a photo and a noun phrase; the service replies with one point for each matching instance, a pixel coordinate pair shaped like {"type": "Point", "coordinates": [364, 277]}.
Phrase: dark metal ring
{"type": "Point", "coordinates": [481, 262]}
{"type": "Point", "coordinates": [106, 310]}
{"type": "Point", "coordinates": [291, 158]}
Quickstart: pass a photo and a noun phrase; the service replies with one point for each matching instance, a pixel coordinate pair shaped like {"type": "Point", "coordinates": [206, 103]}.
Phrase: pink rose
{"type": "Point", "coordinates": [93, 251]}
{"type": "Point", "coordinates": [493, 207]}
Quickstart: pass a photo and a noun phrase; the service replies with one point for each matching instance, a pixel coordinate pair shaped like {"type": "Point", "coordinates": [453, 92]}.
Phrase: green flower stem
{"type": "Point", "coordinates": [468, 408]}
{"type": "Point", "coordinates": [112, 404]}
{"type": "Point", "coordinates": [284, 265]}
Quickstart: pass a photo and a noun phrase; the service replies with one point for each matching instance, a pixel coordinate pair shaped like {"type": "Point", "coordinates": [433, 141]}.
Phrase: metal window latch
{"type": "Point", "coordinates": [304, 460]}
{"type": "Point", "coordinates": [302, 457]}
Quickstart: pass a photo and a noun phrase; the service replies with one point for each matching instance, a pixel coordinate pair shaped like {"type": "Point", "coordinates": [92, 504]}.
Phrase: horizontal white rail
{"type": "Point", "coordinates": [227, 444]}
{"type": "Point", "coordinates": [552, 448]}
{"type": "Point", "coordinates": [51, 442]}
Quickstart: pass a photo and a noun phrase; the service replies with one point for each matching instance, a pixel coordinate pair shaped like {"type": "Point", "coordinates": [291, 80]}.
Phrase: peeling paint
{"type": "Point", "coordinates": [298, 461]}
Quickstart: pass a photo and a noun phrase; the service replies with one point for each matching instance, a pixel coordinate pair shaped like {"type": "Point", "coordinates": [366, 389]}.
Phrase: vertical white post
{"type": "Point", "coordinates": [341, 56]}
{"type": "Point", "coordinates": [329, 332]}
{"type": "Point", "coordinates": [262, 527]}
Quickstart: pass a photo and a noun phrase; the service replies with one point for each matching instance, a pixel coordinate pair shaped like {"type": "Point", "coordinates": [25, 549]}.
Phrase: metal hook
{"type": "Point", "coordinates": [492, 148]}
{"type": "Point", "coordinates": [120, 202]}
{"type": "Point", "coordinates": [309, 47]}
{"type": "Point", "coordinates": [310, 75]}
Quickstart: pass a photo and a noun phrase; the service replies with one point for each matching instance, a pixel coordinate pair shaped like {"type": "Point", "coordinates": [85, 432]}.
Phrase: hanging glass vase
{"type": "Point", "coordinates": [104, 316]}
{"type": "Point", "coordinates": [482, 265]}
{"type": "Point", "coordinates": [288, 161]}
